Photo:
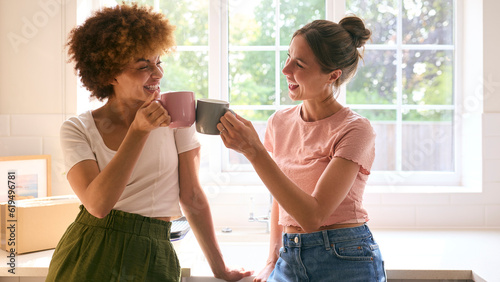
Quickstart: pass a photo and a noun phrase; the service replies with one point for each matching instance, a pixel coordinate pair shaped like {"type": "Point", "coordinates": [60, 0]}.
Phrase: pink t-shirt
{"type": "Point", "coordinates": [303, 150]}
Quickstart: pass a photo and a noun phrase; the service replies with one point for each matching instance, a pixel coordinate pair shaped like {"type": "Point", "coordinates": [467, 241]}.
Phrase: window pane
{"type": "Point", "coordinates": [375, 81]}
{"type": "Point", "coordinates": [428, 77]}
{"type": "Point", "coordinates": [259, 116]}
{"type": "Point", "coordinates": [251, 22]}
{"type": "Point", "coordinates": [385, 146]}
{"type": "Point", "coordinates": [296, 13]}
{"type": "Point", "coordinates": [428, 140]}
{"type": "Point", "coordinates": [428, 22]}
{"type": "Point", "coordinates": [251, 77]}
{"type": "Point", "coordinates": [377, 115]}
{"type": "Point", "coordinates": [379, 16]}
{"type": "Point", "coordinates": [186, 71]}
{"type": "Point", "coordinates": [149, 3]}
{"type": "Point", "coordinates": [384, 124]}
{"type": "Point", "coordinates": [191, 19]}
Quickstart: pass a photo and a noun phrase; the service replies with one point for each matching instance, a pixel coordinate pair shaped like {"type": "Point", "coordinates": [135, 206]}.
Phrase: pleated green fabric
{"type": "Point", "coordinates": [120, 247]}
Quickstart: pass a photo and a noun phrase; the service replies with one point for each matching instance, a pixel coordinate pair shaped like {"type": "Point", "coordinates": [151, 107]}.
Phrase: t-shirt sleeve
{"type": "Point", "coordinates": [269, 136]}
{"type": "Point", "coordinates": [358, 145]}
{"type": "Point", "coordinates": [186, 139]}
{"type": "Point", "coordinates": [74, 143]}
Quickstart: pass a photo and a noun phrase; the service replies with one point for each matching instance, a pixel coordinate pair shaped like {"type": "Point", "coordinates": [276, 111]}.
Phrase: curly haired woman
{"type": "Point", "coordinates": [128, 168]}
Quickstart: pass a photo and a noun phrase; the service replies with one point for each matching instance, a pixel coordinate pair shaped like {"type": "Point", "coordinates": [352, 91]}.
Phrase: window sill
{"type": "Point", "coordinates": [422, 189]}
{"type": "Point", "coordinates": [252, 179]}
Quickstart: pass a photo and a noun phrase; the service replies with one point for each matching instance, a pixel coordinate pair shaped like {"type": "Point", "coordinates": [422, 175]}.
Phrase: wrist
{"type": "Point", "coordinates": [135, 137]}
{"type": "Point", "coordinates": [273, 258]}
{"type": "Point", "coordinates": [271, 261]}
{"type": "Point", "coordinates": [257, 153]}
{"type": "Point", "coordinates": [219, 272]}
{"type": "Point", "coordinates": [137, 131]}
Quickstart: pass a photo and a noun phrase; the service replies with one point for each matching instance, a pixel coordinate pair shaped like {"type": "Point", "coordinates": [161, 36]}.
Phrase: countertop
{"type": "Point", "coordinates": [408, 254]}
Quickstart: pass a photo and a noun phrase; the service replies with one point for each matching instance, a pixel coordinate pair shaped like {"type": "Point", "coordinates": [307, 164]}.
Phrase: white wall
{"type": "Point", "coordinates": [35, 80]}
{"type": "Point", "coordinates": [38, 91]}
{"type": "Point", "coordinates": [480, 80]}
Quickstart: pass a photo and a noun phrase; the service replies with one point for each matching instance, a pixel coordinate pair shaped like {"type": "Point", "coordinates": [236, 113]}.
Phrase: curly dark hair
{"type": "Point", "coordinates": [114, 37]}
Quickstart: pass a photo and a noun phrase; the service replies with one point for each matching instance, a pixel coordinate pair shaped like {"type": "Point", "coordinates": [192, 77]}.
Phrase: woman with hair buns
{"type": "Point", "coordinates": [131, 172]}
{"type": "Point", "coordinates": [320, 156]}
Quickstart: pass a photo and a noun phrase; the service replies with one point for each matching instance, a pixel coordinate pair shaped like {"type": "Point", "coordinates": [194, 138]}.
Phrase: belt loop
{"type": "Point", "coordinates": [326, 240]}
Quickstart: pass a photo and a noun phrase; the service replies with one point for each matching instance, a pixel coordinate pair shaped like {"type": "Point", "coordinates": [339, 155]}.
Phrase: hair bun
{"type": "Point", "coordinates": [356, 28]}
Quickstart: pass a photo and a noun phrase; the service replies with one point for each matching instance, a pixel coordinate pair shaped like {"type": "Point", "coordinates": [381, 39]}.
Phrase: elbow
{"type": "Point", "coordinates": [97, 207]}
{"type": "Point", "coordinates": [309, 228]}
{"type": "Point", "coordinates": [98, 212]}
{"type": "Point", "coordinates": [100, 215]}
{"type": "Point", "coordinates": [193, 200]}
{"type": "Point", "coordinates": [312, 224]}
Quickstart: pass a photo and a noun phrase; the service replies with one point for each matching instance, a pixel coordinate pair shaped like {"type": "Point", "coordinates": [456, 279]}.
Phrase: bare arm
{"type": "Point", "coordinates": [100, 190]}
{"type": "Point", "coordinates": [310, 211]}
{"type": "Point", "coordinates": [195, 205]}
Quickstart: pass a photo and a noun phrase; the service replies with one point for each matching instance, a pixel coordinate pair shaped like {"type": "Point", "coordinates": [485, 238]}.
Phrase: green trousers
{"type": "Point", "coordinates": [120, 247]}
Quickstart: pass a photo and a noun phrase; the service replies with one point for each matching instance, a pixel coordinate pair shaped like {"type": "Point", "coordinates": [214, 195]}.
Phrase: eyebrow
{"type": "Point", "coordinates": [298, 59]}
{"type": "Point", "coordinates": [146, 60]}
{"type": "Point", "coordinates": [302, 61]}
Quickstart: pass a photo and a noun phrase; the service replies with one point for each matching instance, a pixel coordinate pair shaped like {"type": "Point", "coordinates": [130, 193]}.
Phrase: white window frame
{"type": "Point", "coordinates": [419, 179]}
{"type": "Point", "coordinates": [218, 174]}
{"type": "Point", "coordinates": [379, 180]}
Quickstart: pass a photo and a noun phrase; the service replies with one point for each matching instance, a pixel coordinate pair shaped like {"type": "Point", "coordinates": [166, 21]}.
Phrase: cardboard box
{"type": "Point", "coordinates": [36, 224]}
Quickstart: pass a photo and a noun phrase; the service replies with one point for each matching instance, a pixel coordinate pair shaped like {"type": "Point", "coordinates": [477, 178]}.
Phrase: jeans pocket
{"type": "Point", "coordinates": [281, 250]}
{"type": "Point", "coordinates": [356, 250]}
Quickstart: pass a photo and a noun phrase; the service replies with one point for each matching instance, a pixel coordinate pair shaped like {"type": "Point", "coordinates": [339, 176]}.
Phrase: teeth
{"type": "Point", "coordinates": [152, 87]}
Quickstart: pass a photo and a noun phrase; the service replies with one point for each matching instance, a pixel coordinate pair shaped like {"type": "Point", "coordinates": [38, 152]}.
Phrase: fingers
{"type": "Point", "coordinates": [151, 98]}
{"type": "Point", "coordinates": [231, 131]}
{"type": "Point", "coordinates": [235, 120]}
{"type": "Point", "coordinates": [160, 116]}
{"type": "Point", "coordinates": [237, 274]}
{"type": "Point", "coordinates": [154, 113]}
{"type": "Point", "coordinates": [228, 124]}
{"type": "Point", "coordinates": [221, 127]}
{"type": "Point", "coordinates": [230, 117]}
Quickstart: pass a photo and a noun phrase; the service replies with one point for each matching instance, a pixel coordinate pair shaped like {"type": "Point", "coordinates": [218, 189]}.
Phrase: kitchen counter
{"type": "Point", "coordinates": [459, 255]}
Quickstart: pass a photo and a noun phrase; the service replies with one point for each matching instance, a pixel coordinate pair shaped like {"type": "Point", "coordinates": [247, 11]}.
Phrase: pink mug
{"type": "Point", "coordinates": [181, 106]}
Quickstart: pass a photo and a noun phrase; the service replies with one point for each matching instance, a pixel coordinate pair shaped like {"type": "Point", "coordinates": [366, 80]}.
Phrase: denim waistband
{"type": "Point", "coordinates": [127, 222]}
{"type": "Point", "coordinates": [326, 237]}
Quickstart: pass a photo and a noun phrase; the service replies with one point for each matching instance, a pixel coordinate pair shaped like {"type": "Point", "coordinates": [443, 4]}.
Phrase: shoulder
{"type": "Point", "coordinates": [357, 126]}
{"type": "Point", "coordinates": [287, 112]}
{"type": "Point", "coordinates": [76, 124]}
{"type": "Point", "coordinates": [284, 114]}
{"type": "Point", "coordinates": [357, 121]}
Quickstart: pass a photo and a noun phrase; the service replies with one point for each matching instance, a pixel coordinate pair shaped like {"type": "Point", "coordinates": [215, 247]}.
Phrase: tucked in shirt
{"type": "Point", "coordinates": [303, 150]}
{"type": "Point", "coordinates": [153, 187]}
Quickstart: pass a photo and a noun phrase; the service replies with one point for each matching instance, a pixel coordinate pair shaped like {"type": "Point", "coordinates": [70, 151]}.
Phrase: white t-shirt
{"type": "Point", "coordinates": [153, 187]}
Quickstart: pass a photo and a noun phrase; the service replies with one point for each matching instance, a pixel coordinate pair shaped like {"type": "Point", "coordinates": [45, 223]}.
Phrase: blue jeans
{"type": "Point", "coordinates": [347, 254]}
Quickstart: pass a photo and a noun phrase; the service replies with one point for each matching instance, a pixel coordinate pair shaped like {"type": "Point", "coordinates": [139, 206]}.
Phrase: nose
{"type": "Point", "coordinates": [286, 70]}
{"type": "Point", "coordinates": [157, 71]}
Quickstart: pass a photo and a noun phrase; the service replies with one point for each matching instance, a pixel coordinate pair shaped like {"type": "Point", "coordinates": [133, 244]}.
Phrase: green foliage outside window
{"type": "Point", "coordinates": [406, 77]}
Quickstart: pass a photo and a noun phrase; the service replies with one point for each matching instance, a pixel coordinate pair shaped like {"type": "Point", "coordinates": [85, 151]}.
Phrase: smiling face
{"type": "Point", "coordinates": [305, 78]}
{"type": "Point", "coordinates": [140, 79]}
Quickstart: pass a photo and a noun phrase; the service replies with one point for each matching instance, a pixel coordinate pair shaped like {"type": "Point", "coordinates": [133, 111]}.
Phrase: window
{"type": "Point", "coordinates": [407, 89]}
{"type": "Point", "coordinates": [235, 49]}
